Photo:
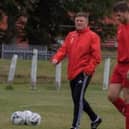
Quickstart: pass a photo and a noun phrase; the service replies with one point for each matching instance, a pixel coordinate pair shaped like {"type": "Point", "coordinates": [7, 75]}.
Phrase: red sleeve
{"type": "Point", "coordinates": [95, 54]}
{"type": "Point", "coordinates": [62, 51]}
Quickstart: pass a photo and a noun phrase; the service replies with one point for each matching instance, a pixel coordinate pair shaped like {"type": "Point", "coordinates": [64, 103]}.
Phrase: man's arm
{"type": "Point", "coordinates": [95, 55]}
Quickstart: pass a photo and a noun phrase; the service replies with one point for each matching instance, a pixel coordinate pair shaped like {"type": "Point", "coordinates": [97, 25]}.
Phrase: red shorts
{"type": "Point", "coordinates": [119, 75]}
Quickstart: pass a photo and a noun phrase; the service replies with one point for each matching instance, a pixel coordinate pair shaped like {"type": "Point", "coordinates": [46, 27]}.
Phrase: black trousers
{"type": "Point", "coordinates": [78, 88]}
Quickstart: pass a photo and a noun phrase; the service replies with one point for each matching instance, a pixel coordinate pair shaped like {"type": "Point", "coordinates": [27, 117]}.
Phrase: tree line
{"type": "Point", "coordinates": [48, 19]}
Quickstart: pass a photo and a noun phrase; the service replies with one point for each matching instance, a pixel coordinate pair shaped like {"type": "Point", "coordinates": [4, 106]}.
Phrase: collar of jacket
{"type": "Point", "coordinates": [84, 30]}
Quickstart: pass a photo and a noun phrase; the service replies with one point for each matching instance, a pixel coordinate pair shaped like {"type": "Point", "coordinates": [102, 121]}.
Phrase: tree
{"type": "Point", "coordinates": [46, 17]}
{"type": "Point", "coordinates": [45, 21]}
{"type": "Point", "coordinates": [52, 14]}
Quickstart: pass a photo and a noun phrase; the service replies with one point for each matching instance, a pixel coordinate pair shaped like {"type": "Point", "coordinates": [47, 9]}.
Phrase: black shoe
{"type": "Point", "coordinates": [95, 124]}
{"type": "Point", "coordinates": [73, 128]}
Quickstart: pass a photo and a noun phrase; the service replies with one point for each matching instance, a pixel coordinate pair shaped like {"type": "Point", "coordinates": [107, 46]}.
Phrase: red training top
{"type": "Point", "coordinates": [83, 51]}
{"type": "Point", "coordinates": [123, 43]}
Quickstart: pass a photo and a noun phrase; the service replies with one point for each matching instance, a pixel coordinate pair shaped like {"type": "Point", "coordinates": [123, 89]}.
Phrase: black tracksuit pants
{"type": "Point", "coordinates": [78, 89]}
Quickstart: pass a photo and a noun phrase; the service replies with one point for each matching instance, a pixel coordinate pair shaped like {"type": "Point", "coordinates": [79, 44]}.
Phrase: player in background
{"type": "Point", "coordinates": [120, 77]}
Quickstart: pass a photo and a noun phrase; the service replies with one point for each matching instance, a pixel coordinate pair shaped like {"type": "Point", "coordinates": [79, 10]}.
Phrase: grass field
{"type": "Point", "coordinates": [54, 106]}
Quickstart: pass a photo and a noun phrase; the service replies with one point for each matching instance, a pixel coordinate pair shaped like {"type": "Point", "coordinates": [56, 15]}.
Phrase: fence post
{"type": "Point", "coordinates": [12, 70]}
{"type": "Point", "coordinates": [34, 69]}
{"type": "Point", "coordinates": [106, 73]}
{"type": "Point", "coordinates": [58, 76]}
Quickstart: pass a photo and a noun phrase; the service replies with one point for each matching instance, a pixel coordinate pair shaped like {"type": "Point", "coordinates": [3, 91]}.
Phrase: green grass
{"type": "Point", "coordinates": [54, 106]}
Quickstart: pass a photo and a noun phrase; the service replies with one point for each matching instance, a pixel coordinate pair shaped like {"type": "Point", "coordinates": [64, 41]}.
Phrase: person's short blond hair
{"type": "Point", "coordinates": [82, 14]}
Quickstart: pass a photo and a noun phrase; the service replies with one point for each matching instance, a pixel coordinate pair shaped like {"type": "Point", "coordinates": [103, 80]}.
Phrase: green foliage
{"type": "Point", "coordinates": [52, 14]}
{"type": "Point", "coordinates": [47, 16]}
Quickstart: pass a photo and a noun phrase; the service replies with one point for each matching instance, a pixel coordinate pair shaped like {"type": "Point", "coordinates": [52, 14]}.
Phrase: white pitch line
{"type": "Point", "coordinates": [36, 105]}
{"type": "Point", "coordinates": [32, 105]}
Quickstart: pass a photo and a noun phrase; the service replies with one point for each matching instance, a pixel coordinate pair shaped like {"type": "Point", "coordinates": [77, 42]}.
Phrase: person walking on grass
{"type": "Point", "coordinates": [82, 48]}
{"type": "Point", "coordinates": [120, 77]}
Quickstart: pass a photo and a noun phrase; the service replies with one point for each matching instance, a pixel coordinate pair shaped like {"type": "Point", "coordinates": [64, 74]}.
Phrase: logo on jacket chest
{"type": "Point", "coordinates": [74, 38]}
{"type": "Point", "coordinates": [71, 40]}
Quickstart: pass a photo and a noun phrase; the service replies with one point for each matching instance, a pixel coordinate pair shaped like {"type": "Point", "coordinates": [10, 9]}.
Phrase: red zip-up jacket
{"type": "Point", "coordinates": [82, 49]}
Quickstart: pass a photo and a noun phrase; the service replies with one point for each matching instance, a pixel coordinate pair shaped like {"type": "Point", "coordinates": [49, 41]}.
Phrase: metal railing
{"type": "Point", "coordinates": [7, 51]}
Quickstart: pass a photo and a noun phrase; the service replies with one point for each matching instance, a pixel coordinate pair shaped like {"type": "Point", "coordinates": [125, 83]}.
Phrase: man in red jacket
{"type": "Point", "coordinates": [120, 76]}
{"type": "Point", "coordinates": [82, 48]}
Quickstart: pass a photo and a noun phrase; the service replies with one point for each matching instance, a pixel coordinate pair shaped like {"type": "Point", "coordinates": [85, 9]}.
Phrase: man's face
{"type": "Point", "coordinates": [122, 17]}
{"type": "Point", "coordinates": [81, 23]}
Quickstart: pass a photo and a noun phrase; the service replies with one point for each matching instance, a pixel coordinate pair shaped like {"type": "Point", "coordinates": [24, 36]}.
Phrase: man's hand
{"type": "Point", "coordinates": [54, 61]}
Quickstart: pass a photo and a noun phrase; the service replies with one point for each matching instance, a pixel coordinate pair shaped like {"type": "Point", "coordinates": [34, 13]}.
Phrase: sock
{"type": "Point", "coordinates": [120, 105]}
{"type": "Point", "coordinates": [127, 116]}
